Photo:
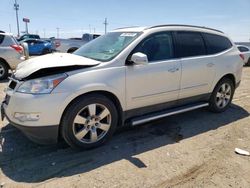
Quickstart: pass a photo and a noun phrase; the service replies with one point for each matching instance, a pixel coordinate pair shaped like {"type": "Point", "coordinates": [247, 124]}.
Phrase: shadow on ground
{"type": "Point", "coordinates": [23, 161]}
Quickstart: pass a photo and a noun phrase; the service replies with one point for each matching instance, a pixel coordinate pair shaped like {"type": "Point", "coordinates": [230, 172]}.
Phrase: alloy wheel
{"type": "Point", "coordinates": [2, 71]}
{"type": "Point", "coordinates": [223, 95]}
{"type": "Point", "coordinates": [92, 123]}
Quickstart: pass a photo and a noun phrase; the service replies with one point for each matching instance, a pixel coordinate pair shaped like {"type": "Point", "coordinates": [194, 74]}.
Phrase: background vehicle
{"type": "Point", "coordinates": [128, 76]}
{"type": "Point", "coordinates": [246, 52]}
{"type": "Point", "coordinates": [72, 44]}
{"type": "Point", "coordinates": [11, 53]}
{"type": "Point", "coordinates": [38, 47]}
{"type": "Point", "coordinates": [28, 36]}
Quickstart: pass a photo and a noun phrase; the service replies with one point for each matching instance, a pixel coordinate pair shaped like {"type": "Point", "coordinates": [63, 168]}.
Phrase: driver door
{"type": "Point", "coordinates": [158, 81]}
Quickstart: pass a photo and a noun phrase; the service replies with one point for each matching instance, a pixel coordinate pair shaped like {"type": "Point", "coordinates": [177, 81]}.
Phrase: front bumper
{"type": "Point", "coordinates": [43, 130]}
{"type": "Point", "coordinates": [37, 134]}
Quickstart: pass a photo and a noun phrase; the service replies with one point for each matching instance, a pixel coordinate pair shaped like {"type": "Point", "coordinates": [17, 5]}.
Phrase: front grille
{"type": "Point", "coordinates": [12, 84]}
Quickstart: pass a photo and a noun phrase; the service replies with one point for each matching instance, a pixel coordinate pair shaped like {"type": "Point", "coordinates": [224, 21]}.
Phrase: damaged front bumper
{"type": "Point", "coordinates": [37, 116]}
{"type": "Point", "coordinates": [38, 134]}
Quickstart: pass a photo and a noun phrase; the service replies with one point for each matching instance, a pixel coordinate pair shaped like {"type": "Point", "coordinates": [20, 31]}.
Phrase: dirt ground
{"type": "Point", "coordinates": [195, 149]}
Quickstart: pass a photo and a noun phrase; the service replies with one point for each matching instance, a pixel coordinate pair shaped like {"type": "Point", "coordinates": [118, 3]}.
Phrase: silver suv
{"type": "Point", "coordinates": [128, 76]}
{"type": "Point", "coordinates": [11, 53]}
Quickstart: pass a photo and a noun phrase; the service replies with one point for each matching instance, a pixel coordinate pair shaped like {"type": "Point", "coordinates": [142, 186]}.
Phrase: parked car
{"type": "Point", "coordinates": [11, 53]}
{"type": "Point", "coordinates": [246, 53]}
{"type": "Point", "coordinates": [38, 47]}
{"type": "Point", "coordinates": [72, 44]}
{"type": "Point", "coordinates": [28, 36]}
{"type": "Point", "coordinates": [129, 76]}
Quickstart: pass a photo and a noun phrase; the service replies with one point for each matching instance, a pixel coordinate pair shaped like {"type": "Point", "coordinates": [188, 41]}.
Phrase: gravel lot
{"type": "Point", "coordinates": [195, 149]}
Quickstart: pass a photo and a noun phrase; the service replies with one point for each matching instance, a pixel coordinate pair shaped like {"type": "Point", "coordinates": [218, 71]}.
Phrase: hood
{"type": "Point", "coordinates": [51, 63]}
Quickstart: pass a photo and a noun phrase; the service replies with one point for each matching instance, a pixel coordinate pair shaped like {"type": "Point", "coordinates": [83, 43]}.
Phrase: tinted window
{"type": "Point", "coordinates": [190, 44]}
{"type": "Point", "coordinates": [216, 43]}
{"type": "Point", "coordinates": [1, 38]}
{"type": "Point", "coordinates": [157, 47]}
{"type": "Point", "coordinates": [29, 41]}
{"type": "Point", "coordinates": [243, 49]}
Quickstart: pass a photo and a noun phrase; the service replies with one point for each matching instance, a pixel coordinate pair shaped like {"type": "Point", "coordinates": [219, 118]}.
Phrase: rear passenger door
{"type": "Point", "coordinates": [198, 69]}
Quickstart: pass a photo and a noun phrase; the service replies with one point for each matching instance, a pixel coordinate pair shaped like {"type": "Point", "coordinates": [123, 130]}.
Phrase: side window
{"type": "Point", "coordinates": [39, 42]}
{"type": "Point", "coordinates": [157, 47]}
{"type": "Point", "coordinates": [1, 38]}
{"type": "Point", "coordinates": [29, 41]}
{"type": "Point", "coordinates": [190, 44]}
{"type": "Point", "coordinates": [243, 49]}
{"type": "Point", "coordinates": [216, 43]}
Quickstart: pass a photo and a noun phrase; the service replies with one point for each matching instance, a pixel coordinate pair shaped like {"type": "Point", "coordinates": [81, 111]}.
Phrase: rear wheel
{"type": "Point", "coordinates": [4, 70]}
{"type": "Point", "coordinates": [222, 95]}
{"type": "Point", "coordinates": [89, 121]}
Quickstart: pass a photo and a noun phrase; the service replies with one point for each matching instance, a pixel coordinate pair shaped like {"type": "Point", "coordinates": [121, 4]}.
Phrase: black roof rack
{"type": "Point", "coordinates": [201, 27]}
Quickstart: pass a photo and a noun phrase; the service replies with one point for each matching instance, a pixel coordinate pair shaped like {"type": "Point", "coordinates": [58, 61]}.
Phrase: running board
{"type": "Point", "coordinates": [155, 116]}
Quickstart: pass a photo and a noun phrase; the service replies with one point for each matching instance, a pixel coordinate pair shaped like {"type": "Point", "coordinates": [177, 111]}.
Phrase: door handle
{"type": "Point", "coordinates": [210, 64]}
{"type": "Point", "coordinates": [172, 70]}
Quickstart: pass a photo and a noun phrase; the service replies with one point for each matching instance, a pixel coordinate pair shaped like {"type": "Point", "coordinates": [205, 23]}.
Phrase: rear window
{"type": "Point", "coordinates": [1, 39]}
{"type": "Point", "coordinates": [216, 43]}
{"type": "Point", "coordinates": [190, 44]}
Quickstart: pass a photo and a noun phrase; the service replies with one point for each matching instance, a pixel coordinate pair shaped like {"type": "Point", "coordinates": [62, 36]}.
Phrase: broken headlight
{"type": "Point", "coordinates": [41, 85]}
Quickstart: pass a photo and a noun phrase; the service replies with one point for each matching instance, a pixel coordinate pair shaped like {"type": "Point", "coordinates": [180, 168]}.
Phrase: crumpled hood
{"type": "Point", "coordinates": [50, 61]}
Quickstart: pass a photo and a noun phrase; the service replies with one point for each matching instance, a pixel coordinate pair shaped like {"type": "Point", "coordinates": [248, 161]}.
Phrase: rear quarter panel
{"type": "Point", "coordinates": [228, 62]}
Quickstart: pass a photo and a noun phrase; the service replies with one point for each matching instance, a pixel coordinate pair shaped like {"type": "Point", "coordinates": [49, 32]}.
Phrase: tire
{"type": "Point", "coordinates": [71, 50]}
{"type": "Point", "coordinates": [4, 70]}
{"type": "Point", "coordinates": [45, 51]}
{"type": "Point", "coordinates": [89, 121]}
{"type": "Point", "coordinates": [248, 62]}
{"type": "Point", "coordinates": [222, 96]}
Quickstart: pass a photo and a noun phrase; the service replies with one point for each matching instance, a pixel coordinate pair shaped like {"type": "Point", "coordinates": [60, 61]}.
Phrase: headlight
{"type": "Point", "coordinates": [41, 85]}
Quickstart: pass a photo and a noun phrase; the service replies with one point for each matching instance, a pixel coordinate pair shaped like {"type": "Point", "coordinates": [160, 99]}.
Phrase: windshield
{"type": "Point", "coordinates": [108, 46]}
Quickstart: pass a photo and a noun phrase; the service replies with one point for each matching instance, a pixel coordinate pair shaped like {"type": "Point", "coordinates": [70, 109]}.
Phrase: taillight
{"type": "Point", "coordinates": [242, 57]}
{"type": "Point", "coordinates": [18, 48]}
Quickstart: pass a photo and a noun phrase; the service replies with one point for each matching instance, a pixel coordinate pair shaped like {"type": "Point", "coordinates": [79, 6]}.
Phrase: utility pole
{"type": "Point", "coordinates": [105, 24]}
{"type": "Point", "coordinates": [16, 8]}
{"type": "Point", "coordinates": [44, 33]}
{"type": "Point", "coordinates": [89, 28]}
{"type": "Point", "coordinates": [10, 28]}
{"type": "Point", "coordinates": [57, 29]}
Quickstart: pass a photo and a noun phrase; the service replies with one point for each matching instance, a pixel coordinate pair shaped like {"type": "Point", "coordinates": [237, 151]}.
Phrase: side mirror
{"type": "Point", "coordinates": [139, 58]}
{"type": "Point", "coordinates": [26, 50]}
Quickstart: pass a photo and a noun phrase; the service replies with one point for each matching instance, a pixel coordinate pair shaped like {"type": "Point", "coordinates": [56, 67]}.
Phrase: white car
{"type": "Point", "coordinates": [245, 51]}
{"type": "Point", "coordinates": [129, 76]}
{"type": "Point", "coordinates": [11, 53]}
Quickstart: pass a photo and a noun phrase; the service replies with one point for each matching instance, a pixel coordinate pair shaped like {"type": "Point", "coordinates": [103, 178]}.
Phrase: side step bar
{"type": "Point", "coordinates": [155, 116]}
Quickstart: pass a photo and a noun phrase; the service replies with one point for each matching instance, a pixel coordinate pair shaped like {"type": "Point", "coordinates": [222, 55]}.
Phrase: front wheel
{"type": "Point", "coordinates": [89, 121]}
{"type": "Point", "coordinates": [222, 95]}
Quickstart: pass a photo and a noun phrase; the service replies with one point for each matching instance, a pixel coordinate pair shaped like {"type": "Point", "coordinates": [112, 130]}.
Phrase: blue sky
{"type": "Point", "coordinates": [74, 17]}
